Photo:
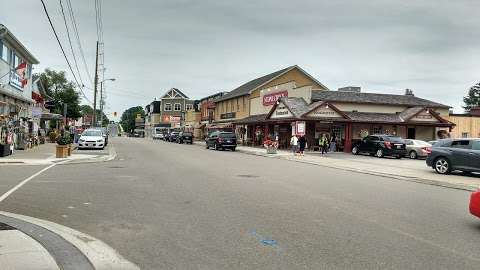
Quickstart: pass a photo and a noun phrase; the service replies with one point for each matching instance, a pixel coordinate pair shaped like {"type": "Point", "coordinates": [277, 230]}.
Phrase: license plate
{"type": "Point", "coordinates": [399, 146]}
{"type": "Point", "coordinates": [229, 141]}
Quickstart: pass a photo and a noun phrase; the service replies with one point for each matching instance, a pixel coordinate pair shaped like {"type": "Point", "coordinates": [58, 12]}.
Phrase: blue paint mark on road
{"type": "Point", "coordinates": [268, 242]}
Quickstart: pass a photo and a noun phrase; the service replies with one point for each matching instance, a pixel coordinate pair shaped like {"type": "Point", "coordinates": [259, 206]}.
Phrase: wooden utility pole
{"type": "Point", "coordinates": [94, 122]}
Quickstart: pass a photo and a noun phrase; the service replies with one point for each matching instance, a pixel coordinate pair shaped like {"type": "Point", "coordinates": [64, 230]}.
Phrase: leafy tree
{"type": "Point", "coordinates": [62, 91]}
{"type": "Point", "coordinates": [128, 117]}
{"type": "Point", "coordinates": [88, 110]}
{"type": "Point", "coordinates": [473, 97]}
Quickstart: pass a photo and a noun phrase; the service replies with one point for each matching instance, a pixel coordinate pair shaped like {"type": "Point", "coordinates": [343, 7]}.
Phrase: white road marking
{"type": "Point", "coordinates": [6, 194]}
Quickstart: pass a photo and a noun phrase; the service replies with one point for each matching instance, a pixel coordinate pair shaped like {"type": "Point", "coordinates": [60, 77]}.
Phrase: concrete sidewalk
{"type": "Point", "coordinates": [44, 154]}
{"type": "Point", "coordinates": [404, 169]}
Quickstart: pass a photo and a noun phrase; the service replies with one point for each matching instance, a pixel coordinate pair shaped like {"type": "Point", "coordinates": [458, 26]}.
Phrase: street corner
{"type": "Point", "coordinates": [30, 243]}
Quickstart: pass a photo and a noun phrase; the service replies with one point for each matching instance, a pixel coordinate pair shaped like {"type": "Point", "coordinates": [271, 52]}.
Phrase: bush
{"type": "Point", "coordinates": [64, 140]}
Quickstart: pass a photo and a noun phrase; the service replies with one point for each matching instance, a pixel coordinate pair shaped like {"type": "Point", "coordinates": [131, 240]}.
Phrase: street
{"type": "Point", "coordinates": [169, 206]}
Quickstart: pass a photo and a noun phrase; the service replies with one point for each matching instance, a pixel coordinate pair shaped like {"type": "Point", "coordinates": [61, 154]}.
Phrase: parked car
{"type": "Point", "coordinates": [185, 137]}
{"type": "Point", "coordinates": [172, 137]}
{"type": "Point", "coordinates": [455, 154]}
{"type": "Point", "coordinates": [381, 145]}
{"type": "Point", "coordinates": [220, 140]}
{"type": "Point", "coordinates": [158, 134]}
{"type": "Point", "coordinates": [91, 138]}
{"type": "Point", "coordinates": [474, 206]}
{"type": "Point", "coordinates": [433, 142]}
{"type": "Point", "coordinates": [417, 148]}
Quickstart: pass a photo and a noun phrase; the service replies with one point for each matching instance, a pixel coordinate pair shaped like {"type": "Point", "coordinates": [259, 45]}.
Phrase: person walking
{"type": "Point", "coordinates": [333, 144]}
{"type": "Point", "coordinates": [293, 144]}
{"type": "Point", "coordinates": [323, 143]}
{"type": "Point", "coordinates": [302, 142]}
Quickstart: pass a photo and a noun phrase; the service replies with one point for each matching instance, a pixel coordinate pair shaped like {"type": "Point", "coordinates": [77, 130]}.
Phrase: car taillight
{"type": "Point", "coordinates": [427, 150]}
{"type": "Point", "coordinates": [388, 145]}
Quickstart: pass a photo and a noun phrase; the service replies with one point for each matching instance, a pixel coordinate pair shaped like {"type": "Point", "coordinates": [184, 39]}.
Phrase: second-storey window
{"type": "Point", "coordinates": [4, 52]}
{"type": "Point", "coordinates": [168, 107]}
{"type": "Point", "coordinates": [177, 107]}
{"type": "Point", "coordinates": [188, 107]}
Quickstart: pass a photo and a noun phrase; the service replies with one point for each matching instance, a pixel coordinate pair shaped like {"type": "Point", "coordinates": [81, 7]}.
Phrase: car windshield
{"type": "Point", "coordinates": [92, 133]}
{"type": "Point", "coordinates": [187, 134]}
{"type": "Point", "coordinates": [394, 139]}
{"type": "Point", "coordinates": [227, 135]}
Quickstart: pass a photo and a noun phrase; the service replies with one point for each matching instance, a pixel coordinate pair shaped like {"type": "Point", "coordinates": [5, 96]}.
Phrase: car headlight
{"type": "Point", "coordinates": [99, 140]}
{"type": "Point", "coordinates": [82, 140]}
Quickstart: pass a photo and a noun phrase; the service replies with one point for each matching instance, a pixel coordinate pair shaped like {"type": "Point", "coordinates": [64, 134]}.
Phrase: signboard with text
{"type": "Point", "coordinates": [300, 127]}
{"type": "Point", "coordinates": [270, 99]}
{"type": "Point", "coordinates": [16, 80]}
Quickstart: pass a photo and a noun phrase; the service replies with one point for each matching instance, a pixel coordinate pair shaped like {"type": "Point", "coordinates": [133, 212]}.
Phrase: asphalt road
{"type": "Point", "coordinates": [169, 206]}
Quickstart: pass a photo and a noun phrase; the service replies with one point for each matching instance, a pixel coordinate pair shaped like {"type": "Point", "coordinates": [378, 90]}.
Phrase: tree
{"type": "Point", "coordinates": [128, 117]}
{"type": "Point", "coordinates": [62, 91]}
{"type": "Point", "coordinates": [88, 110]}
{"type": "Point", "coordinates": [473, 97]}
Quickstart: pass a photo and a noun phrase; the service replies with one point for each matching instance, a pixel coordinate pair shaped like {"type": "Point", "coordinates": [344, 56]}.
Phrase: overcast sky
{"type": "Point", "coordinates": [203, 47]}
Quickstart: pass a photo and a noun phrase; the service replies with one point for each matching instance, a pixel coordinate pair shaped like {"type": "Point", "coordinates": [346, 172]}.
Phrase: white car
{"type": "Point", "coordinates": [91, 138]}
{"type": "Point", "coordinates": [158, 134]}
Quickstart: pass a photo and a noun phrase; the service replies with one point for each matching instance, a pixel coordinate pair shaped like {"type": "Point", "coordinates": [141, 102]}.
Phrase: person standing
{"type": "Point", "coordinates": [323, 143]}
{"type": "Point", "coordinates": [293, 144]}
{"type": "Point", "coordinates": [333, 144]}
{"type": "Point", "coordinates": [302, 143]}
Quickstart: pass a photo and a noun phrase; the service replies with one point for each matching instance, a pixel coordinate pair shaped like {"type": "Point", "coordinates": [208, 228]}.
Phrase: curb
{"type": "Point", "coordinates": [99, 254]}
{"type": "Point", "coordinates": [112, 154]}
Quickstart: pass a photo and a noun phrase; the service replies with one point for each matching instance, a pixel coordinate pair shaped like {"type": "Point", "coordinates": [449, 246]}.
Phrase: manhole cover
{"type": "Point", "coordinates": [5, 227]}
{"type": "Point", "coordinates": [116, 167]}
{"type": "Point", "coordinates": [247, 176]}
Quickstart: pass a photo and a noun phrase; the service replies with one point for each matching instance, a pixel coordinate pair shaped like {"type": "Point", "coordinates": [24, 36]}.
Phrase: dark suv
{"type": "Point", "coordinates": [221, 140]}
{"type": "Point", "coordinates": [455, 154]}
{"type": "Point", "coordinates": [172, 137]}
{"type": "Point", "coordinates": [185, 137]}
{"type": "Point", "coordinates": [380, 146]}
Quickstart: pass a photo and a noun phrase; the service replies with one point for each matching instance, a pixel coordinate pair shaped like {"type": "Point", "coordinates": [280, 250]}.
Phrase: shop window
{"type": "Point", "coordinates": [464, 134]}
{"type": "Point", "coordinates": [376, 130]}
{"type": "Point", "coordinates": [337, 131]}
{"type": "Point", "coordinates": [177, 107]}
{"type": "Point", "coordinates": [168, 107]}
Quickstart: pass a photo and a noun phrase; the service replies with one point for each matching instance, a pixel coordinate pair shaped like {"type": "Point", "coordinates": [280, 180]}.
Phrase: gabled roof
{"type": "Point", "coordinates": [174, 93]}
{"type": "Point", "coordinates": [296, 106]}
{"type": "Point", "coordinates": [410, 112]}
{"type": "Point", "coordinates": [373, 98]}
{"type": "Point", "coordinates": [313, 106]}
{"type": "Point", "coordinates": [252, 85]}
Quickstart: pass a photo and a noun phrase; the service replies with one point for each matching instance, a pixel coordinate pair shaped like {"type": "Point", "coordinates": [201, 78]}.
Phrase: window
{"type": "Point", "coordinates": [463, 144]}
{"type": "Point", "coordinates": [167, 107]}
{"type": "Point", "coordinates": [464, 134]}
{"type": "Point", "coordinates": [4, 52]}
{"type": "Point", "coordinates": [188, 107]}
{"type": "Point", "coordinates": [244, 104]}
{"type": "Point", "coordinates": [238, 105]}
{"type": "Point", "coordinates": [232, 108]}
{"type": "Point", "coordinates": [376, 130]}
{"type": "Point", "coordinates": [177, 107]}
{"type": "Point", "coordinates": [409, 142]}
{"type": "Point", "coordinates": [476, 145]}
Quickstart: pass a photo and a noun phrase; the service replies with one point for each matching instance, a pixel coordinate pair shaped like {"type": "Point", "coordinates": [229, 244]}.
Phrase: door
{"type": "Point", "coordinates": [363, 146]}
{"type": "Point", "coordinates": [373, 144]}
{"type": "Point", "coordinates": [461, 154]}
{"type": "Point", "coordinates": [411, 133]}
{"type": "Point", "coordinates": [475, 155]}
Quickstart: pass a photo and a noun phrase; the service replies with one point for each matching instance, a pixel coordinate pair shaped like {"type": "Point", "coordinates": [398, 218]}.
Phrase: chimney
{"type": "Point", "coordinates": [355, 89]}
{"type": "Point", "coordinates": [409, 92]}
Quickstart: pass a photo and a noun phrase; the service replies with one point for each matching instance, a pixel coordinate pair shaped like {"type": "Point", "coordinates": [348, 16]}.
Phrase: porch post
{"type": "Point", "coordinates": [406, 132]}
{"type": "Point", "coordinates": [348, 138]}
{"type": "Point", "coordinates": [266, 131]}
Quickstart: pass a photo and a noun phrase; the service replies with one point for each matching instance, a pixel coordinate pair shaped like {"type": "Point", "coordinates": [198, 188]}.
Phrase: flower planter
{"type": "Point", "coordinates": [271, 150]}
{"type": "Point", "coordinates": [62, 151]}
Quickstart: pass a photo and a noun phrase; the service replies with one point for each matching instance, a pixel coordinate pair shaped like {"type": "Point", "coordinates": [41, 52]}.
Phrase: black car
{"type": "Point", "coordinates": [221, 140]}
{"type": "Point", "coordinates": [185, 137]}
{"type": "Point", "coordinates": [172, 137]}
{"type": "Point", "coordinates": [380, 146]}
{"type": "Point", "coordinates": [455, 154]}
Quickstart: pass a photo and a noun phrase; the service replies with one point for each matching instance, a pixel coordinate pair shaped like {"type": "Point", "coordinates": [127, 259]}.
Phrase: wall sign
{"type": "Point", "coordinates": [300, 128]}
{"type": "Point", "coordinates": [324, 112]}
{"type": "Point", "coordinates": [227, 115]}
{"type": "Point", "coordinates": [424, 117]}
{"type": "Point", "coordinates": [281, 112]}
{"type": "Point", "coordinates": [270, 99]}
{"type": "Point", "coordinates": [16, 80]}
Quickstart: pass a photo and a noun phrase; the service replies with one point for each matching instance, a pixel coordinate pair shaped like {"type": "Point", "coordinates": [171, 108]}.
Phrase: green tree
{"type": "Point", "coordinates": [128, 118]}
{"type": "Point", "coordinates": [62, 91]}
{"type": "Point", "coordinates": [88, 110]}
{"type": "Point", "coordinates": [473, 97]}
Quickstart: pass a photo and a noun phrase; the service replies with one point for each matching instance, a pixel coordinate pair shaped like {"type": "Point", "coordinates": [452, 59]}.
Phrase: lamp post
{"type": "Point", "coordinates": [101, 98]}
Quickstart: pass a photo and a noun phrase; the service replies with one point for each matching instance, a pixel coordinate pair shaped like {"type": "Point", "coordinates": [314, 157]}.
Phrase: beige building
{"type": "Point", "coordinates": [467, 125]}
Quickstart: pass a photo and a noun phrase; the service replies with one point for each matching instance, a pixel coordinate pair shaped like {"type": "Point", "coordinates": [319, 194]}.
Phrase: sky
{"type": "Point", "coordinates": [203, 47]}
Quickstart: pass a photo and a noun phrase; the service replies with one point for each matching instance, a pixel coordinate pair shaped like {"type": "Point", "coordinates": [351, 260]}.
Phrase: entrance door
{"type": "Point", "coordinates": [411, 133]}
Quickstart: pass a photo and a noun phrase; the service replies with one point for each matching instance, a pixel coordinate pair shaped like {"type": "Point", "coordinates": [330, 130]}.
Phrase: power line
{"type": "Point", "coordinates": [77, 35]}
{"type": "Point", "coordinates": [70, 42]}
{"type": "Point", "coordinates": [63, 51]}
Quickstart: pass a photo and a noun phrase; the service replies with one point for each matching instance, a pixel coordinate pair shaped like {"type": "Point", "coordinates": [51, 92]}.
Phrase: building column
{"type": "Point", "coordinates": [348, 138]}
{"type": "Point", "coordinates": [265, 132]}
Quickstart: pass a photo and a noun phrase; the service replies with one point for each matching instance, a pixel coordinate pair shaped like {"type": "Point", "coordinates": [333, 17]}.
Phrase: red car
{"type": "Point", "coordinates": [475, 203]}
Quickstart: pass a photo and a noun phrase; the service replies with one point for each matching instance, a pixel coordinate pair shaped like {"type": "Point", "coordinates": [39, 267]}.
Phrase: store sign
{"type": "Point", "coordinates": [272, 98]}
{"type": "Point", "coordinates": [227, 115]}
{"type": "Point", "coordinates": [300, 127]}
{"type": "Point", "coordinates": [324, 112]}
{"type": "Point", "coordinates": [281, 112]}
{"type": "Point", "coordinates": [424, 117]}
{"type": "Point", "coordinates": [175, 119]}
{"type": "Point", "coordinates": [16, 80]}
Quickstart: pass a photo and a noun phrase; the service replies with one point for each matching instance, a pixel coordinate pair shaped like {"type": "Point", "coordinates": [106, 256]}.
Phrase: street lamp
{"type": "Point", "coordinates": [101, 98]}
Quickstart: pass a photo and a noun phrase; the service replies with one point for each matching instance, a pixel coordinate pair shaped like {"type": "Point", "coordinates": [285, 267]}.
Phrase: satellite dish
{"type": "Point", "coordinates": [3, 30]}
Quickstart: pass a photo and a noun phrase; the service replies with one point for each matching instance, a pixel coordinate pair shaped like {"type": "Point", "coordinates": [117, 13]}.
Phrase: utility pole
{"type": "Point", "coordinates": [101, 104]}
{"type": "Point", "coordinates": [94, 122]}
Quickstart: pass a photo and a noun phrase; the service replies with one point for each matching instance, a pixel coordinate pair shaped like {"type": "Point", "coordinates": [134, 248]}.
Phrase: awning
{"type": "Point", "coordinates": [220, 125]}
{"type": "Point", "coordinates": [51, 116]}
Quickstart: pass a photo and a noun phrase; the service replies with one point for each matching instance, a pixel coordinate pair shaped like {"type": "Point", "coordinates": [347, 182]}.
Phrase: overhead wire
{"type": "Point", "coordinates": [63, 51]}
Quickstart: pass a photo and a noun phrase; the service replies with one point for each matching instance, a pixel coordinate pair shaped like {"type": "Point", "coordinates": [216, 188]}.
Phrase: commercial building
{"type": "Point", "coordinates": [467, 125]}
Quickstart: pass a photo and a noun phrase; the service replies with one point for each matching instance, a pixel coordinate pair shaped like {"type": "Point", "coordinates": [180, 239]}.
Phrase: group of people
{"type": "Point", "coordinates": [299, 143]}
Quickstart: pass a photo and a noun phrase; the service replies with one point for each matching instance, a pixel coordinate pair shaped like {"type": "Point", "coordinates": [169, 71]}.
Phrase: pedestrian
{"type": "Point", "coordinates": [293, 144]}
{"type": "Point", "coordinates": [302, 143]}
{"type": "Point", "coordinates": [323, 143]}
{"type": "Point", "coordinates": [333, 144]}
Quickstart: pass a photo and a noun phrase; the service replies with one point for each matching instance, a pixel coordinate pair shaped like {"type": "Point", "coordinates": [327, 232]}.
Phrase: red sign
{"type": "Point", "coordinates": [270, 99]}
{"type": "Point", "coordinates": [300, 128]}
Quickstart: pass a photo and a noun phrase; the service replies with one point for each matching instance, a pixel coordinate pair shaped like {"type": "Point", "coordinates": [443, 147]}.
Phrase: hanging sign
{"type": "Point", "coordinates": [300, 128]}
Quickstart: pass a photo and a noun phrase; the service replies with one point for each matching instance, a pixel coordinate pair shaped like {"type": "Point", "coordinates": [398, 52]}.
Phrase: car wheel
{"type": "Point", "coordinates": [355, 150]}
{"type": "Point", "coordinates": [379, 153]}
{"type": "Point", "coordinates": [413, 155]}
{"type": "Point", "coordinates": [206, 146]}
{"type": "Point", "coordinates": [442, 165]}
